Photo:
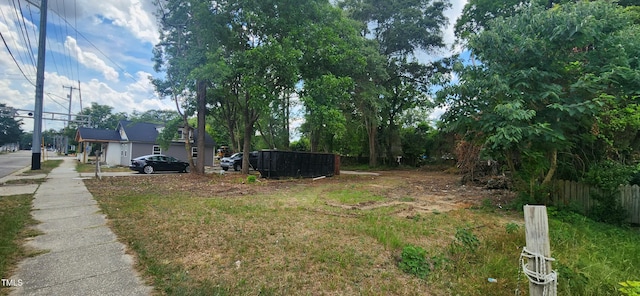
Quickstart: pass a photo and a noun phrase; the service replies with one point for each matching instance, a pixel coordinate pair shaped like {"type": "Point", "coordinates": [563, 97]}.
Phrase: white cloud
{"type": "Point", "coordinates": [91, 60]}
{"type": "Point", "coordinates": [142, 85]}
{"type": "Point", "coordinates": [138, 96]}
{"type": "Point", "coordinates": [136, 17]}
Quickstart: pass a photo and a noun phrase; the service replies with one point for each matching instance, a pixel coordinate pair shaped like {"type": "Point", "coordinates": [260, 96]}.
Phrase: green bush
{"type": "Point", "coordinates": [607, 176]}
{"type": "Point", "coordinates": [466, 242]}
{"type": "Point", "coordinates": [414, 261]}
{"type": "Point", "coordinates": [251, 179]}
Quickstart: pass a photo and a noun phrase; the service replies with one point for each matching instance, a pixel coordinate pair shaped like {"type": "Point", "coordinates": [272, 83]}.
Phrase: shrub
{"type": "Point", "coordinates": [414, 261]}
{"type": "Point", "coordinates": [466, 242]}
{"type": "Point", "coordinates": [251, 179]}
{"type": "Point", "coordinates": [607, 176]}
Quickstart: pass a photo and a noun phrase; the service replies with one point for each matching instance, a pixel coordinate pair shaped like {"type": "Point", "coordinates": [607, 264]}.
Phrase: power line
{"type": "Point", "coordinates": [26, 33]}
{"type": "Point", "coordinates": [14, 60]}
{"type": "Point", "coordinates": [54, 100]}
{"type": "Point", "coordinates": [19, 53]}
{"type": "Point", "coordinates": [55, 64]}
{"type": "Point", "coordinates": [91, 43]}
{"type": "Point", "coordinates": [75, 19]}
{"type": "Point", "coordinates": [66, 28]}
{"type": "Point", "coordinates": [94, 46]}
{"type": "Point", "coordinates": [108, 58]}
{"type": "Point", "coordinates": [25, 38]}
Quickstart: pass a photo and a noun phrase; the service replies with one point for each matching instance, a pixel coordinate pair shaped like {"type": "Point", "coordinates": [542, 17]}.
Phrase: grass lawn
{"type": "Point", "coordinates": [15, 219]}
{"type": "Point", "coordinates": [347, 235]}
{"type": "Point", "coordinates": [90, 168]}
{"type": "Point", "coordinates": [45, 167]}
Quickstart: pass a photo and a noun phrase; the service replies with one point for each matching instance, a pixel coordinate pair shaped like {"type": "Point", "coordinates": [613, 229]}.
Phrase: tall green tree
{"type": "Point", "coordinates": [477, 14]}
{"type": "Point", "coordinates": [181, 53]}
{"type": "Point", "coordinates": [333, 57]}
{"type": "Point", "coordinates": [548, 82]}
{"type": "Point", "coordinates": [102, 117]}
{"type": "Point", "coordinates": [401, 28]}
{"type": "Point", "coordinates": [267, 46]}
{"type": "Point", "coordinates": [10, 130]}
{"type": "Point", "coordinates": [154, 116]}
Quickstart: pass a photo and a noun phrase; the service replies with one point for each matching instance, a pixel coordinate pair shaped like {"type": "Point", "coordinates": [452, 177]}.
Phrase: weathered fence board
{"type": "Point", "coordinates": [578, 194]}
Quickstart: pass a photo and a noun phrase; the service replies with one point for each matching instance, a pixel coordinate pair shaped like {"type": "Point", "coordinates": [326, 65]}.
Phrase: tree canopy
{"type": "Point", "coordinates": [257, 62]}
{"type": "Point", "coordinates": [548, 86]}
{"type": "Point", "coordinates": [10, 130]}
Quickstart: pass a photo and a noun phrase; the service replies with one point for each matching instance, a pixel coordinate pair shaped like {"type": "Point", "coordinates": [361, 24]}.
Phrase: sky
{"type": "Point", "coordinates": [104, 48]}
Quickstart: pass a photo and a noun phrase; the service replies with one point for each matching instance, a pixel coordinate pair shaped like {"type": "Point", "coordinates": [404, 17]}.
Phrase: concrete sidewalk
{"type": "Point", "coordinates": [84, 256]}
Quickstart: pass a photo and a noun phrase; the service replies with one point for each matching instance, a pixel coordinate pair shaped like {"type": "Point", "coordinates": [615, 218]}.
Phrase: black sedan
{"type": "Point", "coordinates": [235, 161]}
{"type": "Point", "coordinates": [151, 163]}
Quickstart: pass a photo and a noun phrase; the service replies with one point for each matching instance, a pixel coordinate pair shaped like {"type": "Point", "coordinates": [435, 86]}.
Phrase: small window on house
{"type": "Point", "coordinates": [194, 152]}
{"type": "Point", "coordinates": [156, 149]}
{"type": "Point", "coordinates": [180, 134]}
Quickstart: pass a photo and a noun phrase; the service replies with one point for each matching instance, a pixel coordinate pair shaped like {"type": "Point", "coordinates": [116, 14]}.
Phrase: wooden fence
{"type": "Point", "coordinates": [578, 194]}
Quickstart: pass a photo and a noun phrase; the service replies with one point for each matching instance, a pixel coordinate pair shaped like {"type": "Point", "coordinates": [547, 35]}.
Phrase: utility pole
{"type": "Point", "coordinates": [68, 124]}
{"type": "Point", "coordinates": [36, 151]}
{"type": "Point", "coordinates": [71, 88]}
{"type": "Point", "coordinates": [80, 95]}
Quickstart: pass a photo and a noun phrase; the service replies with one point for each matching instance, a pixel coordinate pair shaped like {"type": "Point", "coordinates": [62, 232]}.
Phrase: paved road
{"type": "Point", "coordinates": [11, 162]}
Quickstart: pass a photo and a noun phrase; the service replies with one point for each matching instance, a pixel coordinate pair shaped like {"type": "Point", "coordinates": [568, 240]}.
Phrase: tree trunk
{"type": "Point", "coordinates": [249, 120]}
{"type": "Point", "coordinates": [390, 137]}
{"type": "Point", "coordinates": [201, 87]}
{"type": "Point", "coordinates": [229, 110]}
{"type": "Point", "coordinates": [314, 140]}
{"type": "Point", "coordinates": [287, 114]}
{"type": "Point", "coordinates": [267, 137]}
{"type": "Point", "coordinates": [248, 130]}
{"type": "Point", "coordinates": [187, 132]}
{"type": "Point", "coordinates": [552, 169]}
{"type": "Point", "coordinates": [187, 143]}
{"type": "Point", "coordinates": [372, 132]}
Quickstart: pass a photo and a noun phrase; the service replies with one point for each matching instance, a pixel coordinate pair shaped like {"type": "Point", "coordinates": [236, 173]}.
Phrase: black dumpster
{"type": "Point", "coordinates": [291, 164]}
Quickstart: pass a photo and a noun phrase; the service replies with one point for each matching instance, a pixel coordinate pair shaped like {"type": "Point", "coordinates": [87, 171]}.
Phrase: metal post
{"type": "Point", "coordinates": [37, 112]}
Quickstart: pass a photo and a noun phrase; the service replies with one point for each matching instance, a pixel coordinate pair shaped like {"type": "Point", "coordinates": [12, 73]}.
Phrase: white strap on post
{"type": "Point", "coordinates": [538, 274]}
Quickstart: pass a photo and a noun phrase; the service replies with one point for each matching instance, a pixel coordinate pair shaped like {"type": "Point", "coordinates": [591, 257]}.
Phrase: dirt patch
{"type": "Point", "coordinates": [409, 192]}
{"type": "Point", "coordinates": [422, 192]}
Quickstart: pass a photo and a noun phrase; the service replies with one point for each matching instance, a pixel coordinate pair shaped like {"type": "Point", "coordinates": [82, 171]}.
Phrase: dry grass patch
{"type": "Point", "coordinates": [45, 167]}
{"type": "Point", "coordinates": [27, 181]}
{"type": "Point", "coordinates": [341, 235]}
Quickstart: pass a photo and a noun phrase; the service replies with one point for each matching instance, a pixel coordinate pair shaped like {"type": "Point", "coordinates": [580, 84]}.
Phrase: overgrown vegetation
{"type": "Point", "coordinates": [293, 237]}
{"type": "Point", "coordinates": [607, 176]}
{"type": "Point", "coordinates": [562, 104]}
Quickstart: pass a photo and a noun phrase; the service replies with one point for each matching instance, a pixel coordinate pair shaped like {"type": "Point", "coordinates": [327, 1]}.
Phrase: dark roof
{"type": "Point", "coordinates": [100, 135]}
{"type": "Point", "coordinates": [146, 132]}
{"type": "Point", "coordinates": [208, 140]}
{"type": "Point", "coordinates": [140, 131]}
